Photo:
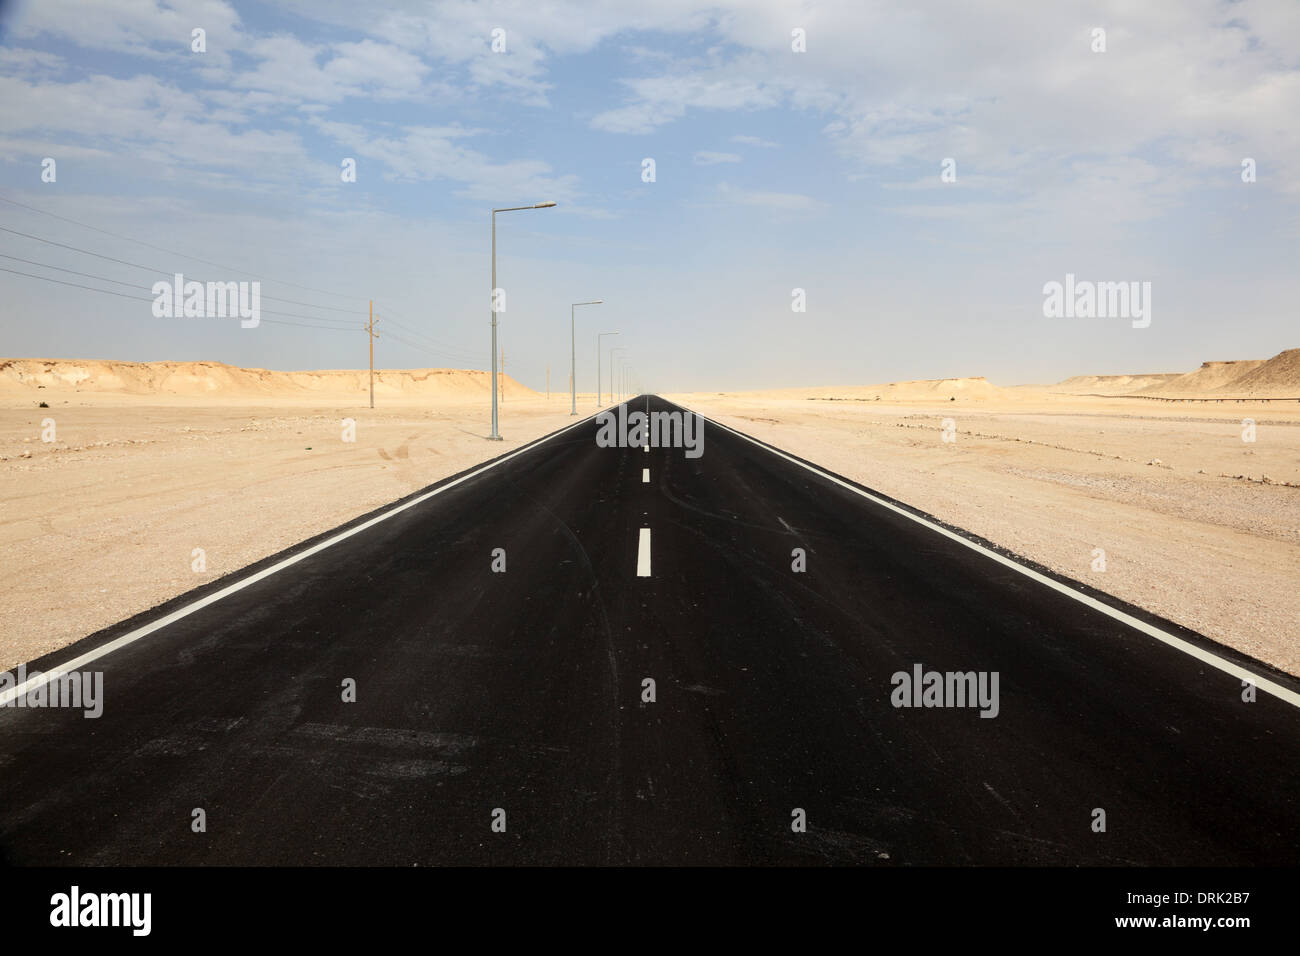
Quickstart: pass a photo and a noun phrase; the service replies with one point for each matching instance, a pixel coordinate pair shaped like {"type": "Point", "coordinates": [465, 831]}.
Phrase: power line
{"type": "Point", "coordinates": [86, 275]}
{"type": "Point", "coordinates": [449, 349]}
{"type": "Point", "coordinates": [76, 285]}
{"type": "Point", "coordinates": [152, 269]}
{"type": "Point", "coordinates": [443, 348]}
{"type": "Point", "coordinates": [140, 298]}
{"type": "Point", "coordinates": [415, 345]}
{"type": "Point", "coordinates": [461, 355]}
{"type": "Point", "coordinates": [148, 245]}
{"type": "Point", "coordinates": [439, 349]}
{"type": "Point", "coordinates": [304, 325]}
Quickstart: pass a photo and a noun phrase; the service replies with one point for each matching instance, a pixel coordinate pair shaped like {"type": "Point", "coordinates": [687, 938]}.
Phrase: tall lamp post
{"type": "Point", "coordinates": [613, 375]}
{"type": "Point", "coordinates": [573, 358]}
{"type": "Point", "coordinates": [598, 373]}
{"type": "Point", "coordinates": [496, 436]}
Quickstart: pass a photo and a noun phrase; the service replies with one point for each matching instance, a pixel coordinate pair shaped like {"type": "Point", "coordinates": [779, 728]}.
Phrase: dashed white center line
{"type": "Point", "coordinates": [645, 476]}
{"type": "Point", "coordinates": [646, 449]}
{"type": "Point", "coordinates": [643, 554]}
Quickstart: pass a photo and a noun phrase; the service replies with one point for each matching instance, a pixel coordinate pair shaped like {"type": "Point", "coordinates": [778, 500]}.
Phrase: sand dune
{"type": "Point", "coordinates": [1110, 384]}
{"type": "Point", "coordinates": [1279, 376]}
{"type": "Point", "coordinates": [975, 388]}
{"type": "Point", "coordinates": [1259, 378]}
{"type": "Point", "coordinates": [29, 377]}
{"type": "Point", "coordinates": [1210, 377]}
{"type": "Point", "coordinates": [41, 378]}
{"type": "Point", "coordinates": [970, 387]}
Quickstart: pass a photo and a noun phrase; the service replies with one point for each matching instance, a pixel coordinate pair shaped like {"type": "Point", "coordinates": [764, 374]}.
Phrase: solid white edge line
{"type": "Point", "coordinates": [130, 638]}
{"type": "Point", "coordinates": [1208, 657]}
{"type": "Point", "coordinates": [643, 554]}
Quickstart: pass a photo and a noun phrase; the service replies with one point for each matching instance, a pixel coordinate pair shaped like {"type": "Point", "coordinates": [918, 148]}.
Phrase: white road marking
{"type": "Point", "coordinates": [646, 449]}
{"type": "Point", "coordinates": [1201, 654]}
{"type": "Point", "coordinates": [643, 554]}
{"type": "Point", "coordinates": [645, 476]}
{"type": "Point", "coordinates": [130, 638]}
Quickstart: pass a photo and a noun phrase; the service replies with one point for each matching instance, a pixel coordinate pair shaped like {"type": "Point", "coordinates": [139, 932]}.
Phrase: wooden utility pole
{"type": "Point", "coordinates": [370, 330]}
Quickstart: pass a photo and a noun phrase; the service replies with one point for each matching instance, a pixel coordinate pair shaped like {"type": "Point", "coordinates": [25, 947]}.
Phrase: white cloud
{"type": "Point", "coordinates": [659, 100]}
{"type": "Point", "coordinates": [30, 63]}
{"type": "Point", "coordinates": [150, 28]}
{"type": "Point", "coordinates": [296, 71]}
{"type": "Point", "coordinates": [1009, 91]}
{"type": "Point", "coordinates": [638, 118]}
{"type": "Point", "coordinates": [706, 158]}
{"type": "Point", "coordinates": [458, 32]}
{"type": "Point", "coordinates": [144, 119]}
{"type": "Point", "coordinates": [893, 88]}
{"type": "Point", "coordinates": [783, 202]}
{"type": "Point", "coordinates": [434, 153]}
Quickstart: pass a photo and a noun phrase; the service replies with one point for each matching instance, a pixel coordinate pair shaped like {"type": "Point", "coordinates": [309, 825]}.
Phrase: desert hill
{"type": "Point", "coordinates": [1279, 376]}
{"type": "Point", "coordinates": [28, 377]}
{"type": "Point", "coordinates": [1211, 376]}
{"type": "Point", "coordinates": [1110, 384]}
{"type": "Point", "coordinates": [971, 388]}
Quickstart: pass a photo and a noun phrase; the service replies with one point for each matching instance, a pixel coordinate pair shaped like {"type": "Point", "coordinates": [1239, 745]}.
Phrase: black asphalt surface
{"type": "Point", "coordinates": [523, 691]}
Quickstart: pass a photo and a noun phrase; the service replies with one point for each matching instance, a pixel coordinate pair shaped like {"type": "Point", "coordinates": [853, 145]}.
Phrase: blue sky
{"type": "Point", "coordinates": [775, 169]}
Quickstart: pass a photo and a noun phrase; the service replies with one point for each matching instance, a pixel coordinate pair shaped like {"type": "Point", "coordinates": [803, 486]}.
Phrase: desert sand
{"type": "Point", "coordinates": [175, 382]}
{"type": "Point", "coordinates": [1196, 523]}
{"type": "Point", "coordinates": [151, 461]}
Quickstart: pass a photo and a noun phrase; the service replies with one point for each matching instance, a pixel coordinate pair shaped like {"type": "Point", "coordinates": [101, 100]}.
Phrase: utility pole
{"type": "Point", "coordinates": [370, 330]}
{"type": "Point", "coordinates": [573, 357]}
{"type": "Point", "coordinates": [598, 373]}
{"type": "Point", "coordinates": [612, 375]}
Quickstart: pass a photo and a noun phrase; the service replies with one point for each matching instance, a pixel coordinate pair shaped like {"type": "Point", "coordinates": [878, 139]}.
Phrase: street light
{"type": "Point", "coordinates": [598, 338]}
{"type": "Point", "coordinates": [495, 436]}
{"type": "Point", "coordinates": [613, 379]}
{"type": "Point", "coordinates": [573, 377]}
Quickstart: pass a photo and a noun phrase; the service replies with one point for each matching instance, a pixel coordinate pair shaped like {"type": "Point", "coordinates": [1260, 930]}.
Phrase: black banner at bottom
{"type": "Point", "coordinates": [335, 905]}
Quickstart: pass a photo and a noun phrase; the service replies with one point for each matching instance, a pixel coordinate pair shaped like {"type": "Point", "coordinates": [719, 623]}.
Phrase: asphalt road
{"type": "Point", "coordinates": [523, 691]}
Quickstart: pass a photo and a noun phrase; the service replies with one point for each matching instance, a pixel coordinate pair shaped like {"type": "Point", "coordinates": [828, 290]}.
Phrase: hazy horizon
{"type": "Point", "coordinates": [557, 387]}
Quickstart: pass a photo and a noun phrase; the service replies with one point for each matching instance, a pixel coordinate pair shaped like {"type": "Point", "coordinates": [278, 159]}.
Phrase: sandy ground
{"type": "Point", "coordinates": [102, 523]}
{"type": "Point", "coordinates": [1173, 495]}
